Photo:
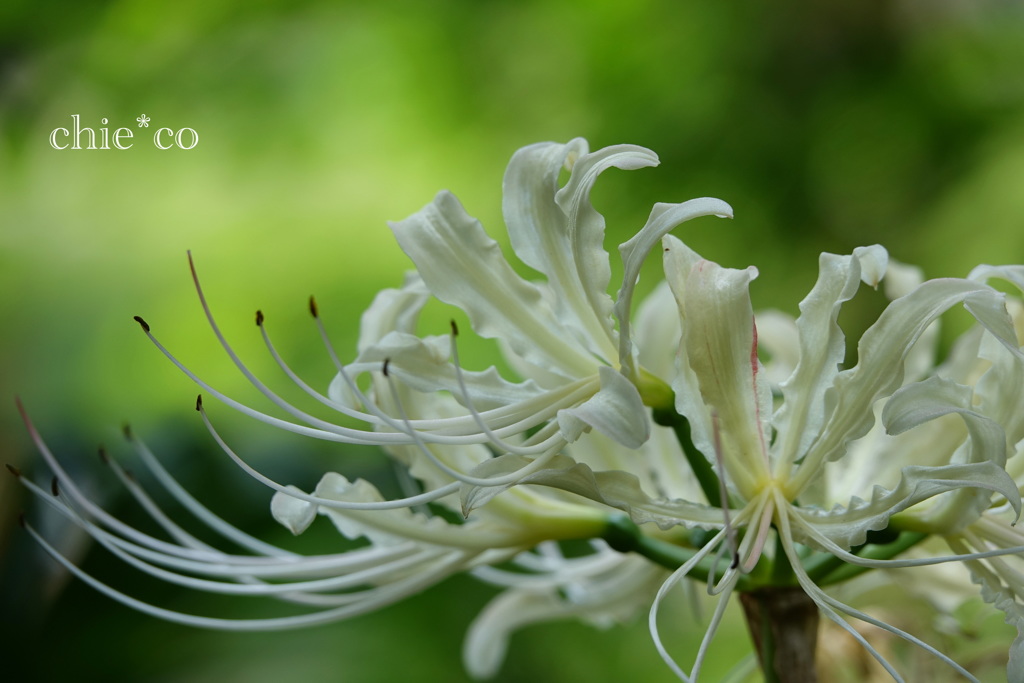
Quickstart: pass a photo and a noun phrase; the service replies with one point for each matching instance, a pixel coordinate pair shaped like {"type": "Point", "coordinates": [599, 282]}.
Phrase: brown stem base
{"type": "Point", "coordinates": [784, 625]}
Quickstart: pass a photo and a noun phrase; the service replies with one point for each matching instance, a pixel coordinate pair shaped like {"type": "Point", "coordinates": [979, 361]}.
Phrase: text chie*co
{"type": "Point", "coordinates": [79, 137]}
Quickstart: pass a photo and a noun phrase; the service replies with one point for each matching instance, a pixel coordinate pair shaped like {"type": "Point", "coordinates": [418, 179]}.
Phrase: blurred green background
{"type": "Point", "coordinates": [825, 125]}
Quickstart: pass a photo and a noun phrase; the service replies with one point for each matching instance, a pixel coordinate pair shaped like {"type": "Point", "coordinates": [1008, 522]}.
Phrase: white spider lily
{"type": "Point", "coordinates": [982, 377]}
{"type": "Point", "coordinates": [582, 375]}
{"type": "Point", "coordinates": [663, 441]}
{"type": "Point", "coordinates": [560, 334]}
{"type": "Point", "coordinates": [798, 466]}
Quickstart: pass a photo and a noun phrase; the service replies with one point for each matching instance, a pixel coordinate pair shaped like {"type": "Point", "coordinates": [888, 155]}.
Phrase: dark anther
{"type": "Point", "coordinates": [21, 519]}
{"type": "Point", "coordinates": [312, 307]}
{"type": "Point", "coordinates": [14, 470]}
{"type": "Point", "coordinates": [145, 325]}
{"type": "Point", "coordinates": [455, 329]}
{"type": "Point", "coordinates": [199, 403]}
{"type": "Point", "coordinates": [54, 489]}
{"type": "Point", "coordinates": [387, 362]}
{"type": "Point", "coordinates": [104, 458]}
{"type": "Point", "coordinates": [259, 318]}
{"type": "Point", "coordinates": [127, 431]}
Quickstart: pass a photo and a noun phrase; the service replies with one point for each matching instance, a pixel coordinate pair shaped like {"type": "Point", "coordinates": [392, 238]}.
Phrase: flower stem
{"type": "Point", "coordinates": [702, 469]}
{"type": "Point", "coordinates": [830, 573]}
{"type": "Point", "coordinates": [623, 535]}
{"type": "Point", "coordinates": [783, 622]}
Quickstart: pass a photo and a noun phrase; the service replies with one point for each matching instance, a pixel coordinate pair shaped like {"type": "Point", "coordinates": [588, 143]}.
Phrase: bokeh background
{"type": "Point", "coordinates": [827, 125]}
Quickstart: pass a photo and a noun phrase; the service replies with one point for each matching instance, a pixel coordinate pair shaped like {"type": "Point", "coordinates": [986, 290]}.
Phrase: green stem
{"type": "Point", "coordinates": [846, 571]}
{"type": "Point", "coordinates": [782, 571]}
{"type": "Point", "coordinates": [623, 535]}
{"type": "Point", "coordinates": [702, 469]}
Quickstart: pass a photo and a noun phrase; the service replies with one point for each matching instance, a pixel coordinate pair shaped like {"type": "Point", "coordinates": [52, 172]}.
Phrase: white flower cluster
{"type": "Point", "coordinates": [666, 440]}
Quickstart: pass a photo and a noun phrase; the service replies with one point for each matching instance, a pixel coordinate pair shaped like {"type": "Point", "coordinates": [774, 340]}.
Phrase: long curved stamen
{"type": "Point", "coordinates": [505, 480]}
{"type": "Point", "coordinates": [397, 425]}
{"type": "Point", "coordinates": [262, 388]}
{"type": "Point", "coordinates": [459, 536]}
{"type": "Point", "coordinates": [846, 556]}
{"type": "Point", "coordinates": [152, 509]}
{"type": "Point", "coordinates": [200, 511]}
{"type": "Point", "coordinates": [341, 434]}
{"type": "Point", "coordinates": [371, 564]}
{"type": "Point", "coordinates": [452, 425]}
{"type": "Point", "coordinates": [468, 402]}
{"type": "Point", "coordinates": [212, 562]}
{"type": "Point", "coordinates": [716, 620]}
{"type": "Point", "coordinates": [378, 571]}
{"type": "Point", "coordinates": [723, 492]}
{"type": "Point", "coordinates": [762, 536]}
{"type": "Point", "coordinates": [829, 604]}
{"type": "Point", "coordinates": [252, 585]}
{"type": "Point", "coordinates": [369, 575]}
{"type": "Point", "coordinates": [216, 563]}
{"type": "Point", "coordinates": [57, 499]}
{"type": "Point", "coordinates": [336, 434]}
{"type": "Point", "coordinates": [433, 429]}
{"type": "Point", "coordinates": [670, 583]}
{"type": "Point", "coordinates": [80, 498]}
{"type": "Point", "coordinates": [725, 586]}
{"type": "Point", "coordinates": [537, 410]}
{"type": "Point", "coordinates": [998, 533]}
{"type": "Point", "coordinates": [813, 591]}
{"type": "Point", "coordinates": [298, 381]}
{"type": "Point", "coordinates": [427, 497]}
{"type": "Point", "coordinates": [410, 585]}
{"type": "Point", "coordinates": [749, 550]}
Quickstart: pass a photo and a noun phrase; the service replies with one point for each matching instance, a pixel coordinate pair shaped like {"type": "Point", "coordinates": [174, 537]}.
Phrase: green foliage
{"type": "Point", "coordinates": [826, 126]}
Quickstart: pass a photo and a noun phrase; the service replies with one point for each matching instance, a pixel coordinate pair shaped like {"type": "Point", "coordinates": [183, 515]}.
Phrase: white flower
{"type": "Point", "coordinates": [812, 466]}
{"type": "Point", "coordinates": [986, 375]}
{"type": "Point", "coordinates": [664, 441]}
